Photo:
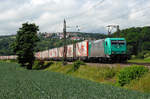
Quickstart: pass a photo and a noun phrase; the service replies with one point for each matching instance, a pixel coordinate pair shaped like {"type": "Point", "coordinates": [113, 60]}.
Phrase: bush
{"type": "Point", "coordinates": [147, 54]}
{"type": "Point", "coordinates": [13, 60]}
{"type": "Point", "coordinates": [41, 64]}
{"type": "Point", "coordinates": [46, 64]}
{"type": "Point", "coordinates": [143, 54]}
{"type": "Point", "coordinates": [129, 73]}
{"type": "Point", "coordinates": [38, 65]}
{"type": "Point", "coordinates": [109, 73]}
{"type": "Point", "coordinates": [77, 64]}
{"type": "Point", "coordinates": [133, 56]}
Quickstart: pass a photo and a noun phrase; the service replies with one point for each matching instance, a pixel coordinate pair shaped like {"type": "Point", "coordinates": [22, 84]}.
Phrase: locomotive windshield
{"type": "Point", "coordinates": [115, 42]}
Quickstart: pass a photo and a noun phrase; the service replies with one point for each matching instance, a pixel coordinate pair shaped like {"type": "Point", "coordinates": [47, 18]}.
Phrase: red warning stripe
{"type": "Point", "coordinates": [87, 48]}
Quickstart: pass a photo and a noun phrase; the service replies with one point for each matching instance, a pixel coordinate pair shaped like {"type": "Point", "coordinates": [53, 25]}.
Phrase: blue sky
{"type": "Point", "coordinates": [90, 15]}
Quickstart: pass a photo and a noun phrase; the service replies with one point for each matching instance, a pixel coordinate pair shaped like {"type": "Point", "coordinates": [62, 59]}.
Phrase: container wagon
{"type": "Point", "coordinates": [103, 50]}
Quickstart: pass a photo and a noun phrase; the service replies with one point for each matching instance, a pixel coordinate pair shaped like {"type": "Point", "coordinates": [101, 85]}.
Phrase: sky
{"type": "Point", "coordinates": [89, 15]}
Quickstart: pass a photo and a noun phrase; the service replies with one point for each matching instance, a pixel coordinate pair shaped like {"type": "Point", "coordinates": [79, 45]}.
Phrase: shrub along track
{"type": "Point", "coordinates": [18, 83]}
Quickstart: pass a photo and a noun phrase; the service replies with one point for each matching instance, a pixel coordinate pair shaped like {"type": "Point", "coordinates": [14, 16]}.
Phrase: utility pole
{"type": "Point", "coordinates": [65, 41]}
{"type": "Point", "coordinates": [65, 45]}
{"type": "Point", "coordinates": [110, 28]}
{"type": "Point", "coordinates": [109, 31]}
{"type": "Point", "coordinates": [118, 31]}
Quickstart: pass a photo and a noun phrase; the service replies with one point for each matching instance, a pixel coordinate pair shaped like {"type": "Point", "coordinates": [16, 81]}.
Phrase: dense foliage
{"type": "Point", "coordinates": [77, 64]}
{"type": "Point", "coordinates": [40, 65]}
{"type": "Point", "coordinates": [18, 83]}
{"type": "Point", "coordinates": [24, 45]}
{"type": "Point", "coordinates": [5, 45]}
{"type": "Point", "coordinates": [93, 36]}
{"type": "Point", "coordinates": [129, 73]}
{"type": "Point", "coordinates": [138, 40]}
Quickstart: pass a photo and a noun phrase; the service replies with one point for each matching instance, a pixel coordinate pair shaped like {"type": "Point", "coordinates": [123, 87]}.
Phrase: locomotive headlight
{"type": "Point", "coordinates": [123, 52]}
{"type": "Point", "coordinates": [113, 52]}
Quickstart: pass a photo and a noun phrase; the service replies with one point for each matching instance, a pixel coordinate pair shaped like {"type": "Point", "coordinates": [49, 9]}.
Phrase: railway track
{"type": "Point", "coordinates": [145, 64]}
{"type": "Point", "coordinates": [118, 64]}
{"type": "Point", "coordinates": [114, 64]}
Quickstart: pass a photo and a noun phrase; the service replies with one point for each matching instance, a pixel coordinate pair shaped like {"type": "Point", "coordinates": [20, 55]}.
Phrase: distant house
{"type": "Point", "coordinates": [75, 38]}
{"type": "Point", "coordinates": [60, 35]}
{"type": "Point", "coordinates": [47, 35]}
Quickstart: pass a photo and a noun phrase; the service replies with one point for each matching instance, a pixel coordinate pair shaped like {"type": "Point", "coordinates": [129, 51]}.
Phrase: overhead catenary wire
{"type": "Point", "coordinates": [82, 14]}
{"type": "Point", "coordinates": [78, 15]}
{"type": "Point", "coordinates": [58, 22]}
{"type": "Point", "coordinates": [125, 14]}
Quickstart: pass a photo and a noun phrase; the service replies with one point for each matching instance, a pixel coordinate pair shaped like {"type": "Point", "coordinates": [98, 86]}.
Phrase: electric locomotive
{"type": "Point", "coordinates": [108, 50]}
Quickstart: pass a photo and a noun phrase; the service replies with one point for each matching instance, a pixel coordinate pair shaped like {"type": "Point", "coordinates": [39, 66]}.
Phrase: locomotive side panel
{"type": "Point", "coordinates": [97, 48]}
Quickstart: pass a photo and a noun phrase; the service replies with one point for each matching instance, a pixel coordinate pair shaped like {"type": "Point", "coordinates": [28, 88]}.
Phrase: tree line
{"type": "Point", "coordinates": [138, 41]}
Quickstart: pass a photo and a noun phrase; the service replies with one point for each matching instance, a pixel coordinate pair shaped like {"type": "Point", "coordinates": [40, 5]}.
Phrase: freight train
{"type": "Point", "coordinates": [103, 50]}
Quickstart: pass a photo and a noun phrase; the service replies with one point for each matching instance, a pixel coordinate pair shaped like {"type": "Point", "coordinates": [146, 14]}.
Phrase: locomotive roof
{"type": "Point", "coordinates": [115, 38]}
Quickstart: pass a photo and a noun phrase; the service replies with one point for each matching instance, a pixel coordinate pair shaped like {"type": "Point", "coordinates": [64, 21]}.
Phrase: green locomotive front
{"type": "Point", "coordinates": [109, 49]}
{"type": "Point", "coordinates": [116, 49]}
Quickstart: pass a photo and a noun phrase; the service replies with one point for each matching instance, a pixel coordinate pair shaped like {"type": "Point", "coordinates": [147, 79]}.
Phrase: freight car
{"type": "Point", "coordinates": [103, 50]}
{"type": "Point", "coordinates": [12, 57]}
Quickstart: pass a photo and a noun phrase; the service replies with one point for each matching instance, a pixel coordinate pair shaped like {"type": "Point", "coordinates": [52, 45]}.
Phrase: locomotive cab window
{"type": "Point", "coordinates": [106, 43]}
{"type": "Point", "coordinates": [121, 42]}
{"type": "Point", "coordinates": [115, 42]}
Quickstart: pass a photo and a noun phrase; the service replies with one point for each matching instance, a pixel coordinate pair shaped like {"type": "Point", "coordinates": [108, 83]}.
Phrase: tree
{"type": "Point", "coordinates": [138, 40]}
{"type": "Point", "coordinates": [25, 43]}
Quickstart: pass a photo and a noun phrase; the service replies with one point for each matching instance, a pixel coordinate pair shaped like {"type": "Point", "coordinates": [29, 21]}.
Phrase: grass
{"type": "Point", "coordinates": [106, 75]}
{"type": "Point", "coordinates": [142, 84]}
{"type": "Point", "coordinates": [98, 74]}
{"type": "Point", "coordinates": [146, 60]}
{"type": "Point", "coordinates": [93, 73]}
{"type": "Point", "coordinates": [19, 83]}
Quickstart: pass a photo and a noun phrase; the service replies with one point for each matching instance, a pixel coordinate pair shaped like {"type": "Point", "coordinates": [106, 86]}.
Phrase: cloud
{"type": "Point", "coordinates": [90, 15]}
